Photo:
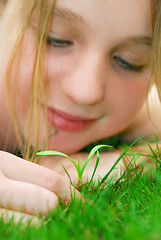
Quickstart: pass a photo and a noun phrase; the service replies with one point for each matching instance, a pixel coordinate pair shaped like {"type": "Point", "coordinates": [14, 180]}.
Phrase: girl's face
{"type": "Point", "coordinates": [96, 69]}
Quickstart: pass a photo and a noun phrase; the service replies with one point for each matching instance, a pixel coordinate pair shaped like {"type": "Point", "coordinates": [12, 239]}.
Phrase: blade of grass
{"type": "Point", "coordinates": [92, 152]}
{"type": "Point", "coordinates": [39, 157]}
{"type": "Point", "coordinates": [152, 151]}
{"type": "Point", "coordinates": [56, 153]}
{"type": "Point", "coordinates": [153, 159]}
{"type": "Point", "coordinates": [45, 145]}
{"type": "Point", "coordinates": [70, 180]}
{"type": "Point", "coordinates": [79, 169]}
{"type": "Point", "coordinates": [96, 165]}
{"type": "Point", "coordinates": [117, 161]}
{"type": "Point", "coordinates": [158, 150]}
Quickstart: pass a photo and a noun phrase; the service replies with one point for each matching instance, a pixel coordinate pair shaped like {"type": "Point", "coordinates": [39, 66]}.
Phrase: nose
{"type": "Point", "coordinates": [84, 85]}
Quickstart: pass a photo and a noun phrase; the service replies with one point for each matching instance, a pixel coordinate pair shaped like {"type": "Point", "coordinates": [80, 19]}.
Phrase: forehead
{"type": "Point", "coordinates": [123, 16]}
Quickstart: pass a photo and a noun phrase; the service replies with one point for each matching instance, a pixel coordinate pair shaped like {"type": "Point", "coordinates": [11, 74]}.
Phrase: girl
{"type": "Point", "coordinates": [72, 72]}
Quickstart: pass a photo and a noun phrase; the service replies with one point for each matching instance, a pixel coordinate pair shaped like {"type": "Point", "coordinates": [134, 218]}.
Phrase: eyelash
{"type": "Point", "coordinates": [65, 43]}
{"type": "Point", "coordinates": [127, 65]}
{"type": "Point", "coordinates": [57, 42]}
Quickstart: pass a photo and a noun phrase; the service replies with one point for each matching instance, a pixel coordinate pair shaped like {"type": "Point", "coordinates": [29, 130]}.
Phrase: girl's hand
{"type": "Point", "coordinates": [30, 188]}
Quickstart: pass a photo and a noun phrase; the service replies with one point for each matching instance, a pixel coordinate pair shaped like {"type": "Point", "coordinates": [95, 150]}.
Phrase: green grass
{"type": "Point", "coordinates": [127, 209]}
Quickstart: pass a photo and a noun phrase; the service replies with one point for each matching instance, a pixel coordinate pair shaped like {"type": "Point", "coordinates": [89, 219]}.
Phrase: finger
{"type": "Point", "coordinates": [17, 217]}
{"type": "Point", "coordinates": [22, 170]}
{"type": "Point", "coordinates": [26, 197]}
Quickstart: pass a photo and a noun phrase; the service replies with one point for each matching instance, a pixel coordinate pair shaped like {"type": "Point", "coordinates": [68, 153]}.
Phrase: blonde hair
{"type": "Point", "coordinates": [44, 15]}
{"type": "Point", "coordinates": [156, 55]}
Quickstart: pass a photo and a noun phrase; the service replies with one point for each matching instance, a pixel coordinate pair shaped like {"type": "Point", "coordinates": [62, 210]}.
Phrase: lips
{"type": "Point", "coordinates": [67, 122]}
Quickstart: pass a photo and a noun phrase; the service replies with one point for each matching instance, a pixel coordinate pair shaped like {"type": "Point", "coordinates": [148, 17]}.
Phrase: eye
{"type": "Point", "coordinates": [128, 66]}
{"type": "Point", "coordinates": [55, 42]}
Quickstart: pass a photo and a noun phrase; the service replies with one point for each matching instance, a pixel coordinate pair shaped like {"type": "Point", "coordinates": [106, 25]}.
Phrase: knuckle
{"type": "Point", "coordinates": [50, 202]}
{"type": "Point", "coordinates": [59, 186]}
{"type": "Point", "coordinates": [53, 181]}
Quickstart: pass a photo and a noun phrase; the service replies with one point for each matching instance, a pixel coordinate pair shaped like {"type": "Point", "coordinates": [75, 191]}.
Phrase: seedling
{"type": "Point", "coordinates": [79, 167]}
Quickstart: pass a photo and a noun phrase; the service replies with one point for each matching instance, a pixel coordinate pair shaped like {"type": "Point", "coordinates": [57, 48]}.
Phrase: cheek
{"type": "Point", "coordinates": [57, 67]}
{"type": "Point", "coordinates": [126, 97]}
{"type": "Point", "coordinates": [22, 75]}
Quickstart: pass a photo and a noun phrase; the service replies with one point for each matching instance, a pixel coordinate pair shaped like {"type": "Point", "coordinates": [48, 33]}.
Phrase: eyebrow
{"type": "Point", "coordinates": [136, 41]}
{"type": "Point", "coordinates": [68, 15]}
